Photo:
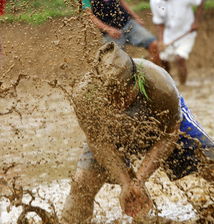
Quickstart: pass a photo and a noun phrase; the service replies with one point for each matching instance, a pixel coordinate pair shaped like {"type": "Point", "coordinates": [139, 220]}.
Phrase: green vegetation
{"type": "Point", "coordinates": [209, 4]}
{"type": "Point", "coordinates": [36, 11]}
{"type": "Point", "coordinates": [140, 80]}
{"type": "Point", "coordinates": [140, 5]}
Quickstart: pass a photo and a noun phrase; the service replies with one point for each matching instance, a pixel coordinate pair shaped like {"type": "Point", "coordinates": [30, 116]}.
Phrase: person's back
{"type": "Point", "coordinates": [158, 111]}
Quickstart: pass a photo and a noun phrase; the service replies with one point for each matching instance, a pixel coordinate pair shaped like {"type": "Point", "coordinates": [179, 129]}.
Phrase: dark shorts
{"type": "Point", "coordinates": [184, 159]}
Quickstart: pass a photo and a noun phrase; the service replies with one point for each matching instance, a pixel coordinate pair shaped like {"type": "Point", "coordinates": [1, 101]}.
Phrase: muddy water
{"type": "Point", "coordinates": [41, 142]}
{"type": "Point", "coordinates": [40, 133]}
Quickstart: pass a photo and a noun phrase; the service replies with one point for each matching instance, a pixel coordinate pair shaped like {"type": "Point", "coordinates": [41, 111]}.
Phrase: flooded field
{"type": "Point", "coordinates": [40, 139]}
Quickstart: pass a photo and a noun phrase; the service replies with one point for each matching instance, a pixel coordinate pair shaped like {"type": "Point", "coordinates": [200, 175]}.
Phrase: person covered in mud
{"type": "Point", "coordinates": [128, 114]}
{"type": "Point", "coordinates": [177, 28]}
{"type": "Point", "coordinates": [120, 24]}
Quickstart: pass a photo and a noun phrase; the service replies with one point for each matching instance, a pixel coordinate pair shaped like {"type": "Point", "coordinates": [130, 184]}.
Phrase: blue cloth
{"type": "Point", "coordinates": [193, 129]}
{"type": "Point", "coordinates": [183, 161]}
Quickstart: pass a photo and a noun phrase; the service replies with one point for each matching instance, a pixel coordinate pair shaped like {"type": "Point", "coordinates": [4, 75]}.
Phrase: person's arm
{"type": "Point", "coordinates": [135, 199]}
{"type": "Point", "coordinates": [198, 16]}
{"type": "Point", "coordinates": [109, 158]}
{"type": "Point", "coordinates": [158, 18]}
{"type": "Point", "coordinates": [113, 32]}
{"type": "Point", "coordinates": [157, 154]}
{"type": "Point", "coordinates": [131, 12]}
{"type": "Point", "coordinates": [160, 29]}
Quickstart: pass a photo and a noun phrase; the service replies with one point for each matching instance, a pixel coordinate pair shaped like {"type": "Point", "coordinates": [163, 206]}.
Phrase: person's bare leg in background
{"type": "Point", "coordinates": [154, 53]}
{"type": "Point", "coordinates": [182, 69]}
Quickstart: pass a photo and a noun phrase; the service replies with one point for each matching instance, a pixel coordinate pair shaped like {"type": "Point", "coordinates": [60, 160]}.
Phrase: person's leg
{"type": "Point", "coordinates": [182, 49]}
{"type": "Point", "coordinates": [138, 36]}
{"type": "Point", "coordinates": [182, 69]}
{"type": "Point", "coordinates": [166, 65]}
{"type": "Point", "coordinates": [88, 180]}
{"type": "Point", "coordinates": [120, 41]}
{"type": "Point", "coordinates": [154, 53]}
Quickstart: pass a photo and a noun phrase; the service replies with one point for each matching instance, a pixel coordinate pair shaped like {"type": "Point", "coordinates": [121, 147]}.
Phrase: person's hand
{"type": "Point", "coordinates": [139, 21]}
{"type": "Point", "coordinates": [135, 201]}
{"type": "Point", "coordinates": [194, 26]}
{"type": "Point", "coordinates": [161, 46]}
{"type": "Point", "coordinates": [114, 33]}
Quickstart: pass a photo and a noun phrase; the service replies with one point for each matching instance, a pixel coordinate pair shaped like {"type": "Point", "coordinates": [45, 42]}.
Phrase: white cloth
{"type": "Point", "coordinates": [176, 15]}
{"type": "Point", "coordinates": [182, 47]}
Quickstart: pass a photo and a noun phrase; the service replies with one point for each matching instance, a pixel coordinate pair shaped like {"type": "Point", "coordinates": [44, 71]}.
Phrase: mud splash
{"type": "Point", "coordinates": [40, 138]}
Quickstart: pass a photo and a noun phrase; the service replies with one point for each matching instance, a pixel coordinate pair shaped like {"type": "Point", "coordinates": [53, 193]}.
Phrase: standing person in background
{"type": "Point", "coordinates": [177, 26]}
{"type": "Point", "coordinates": [120, 24]}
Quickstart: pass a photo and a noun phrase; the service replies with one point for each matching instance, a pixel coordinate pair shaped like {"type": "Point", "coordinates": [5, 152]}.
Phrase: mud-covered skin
{"type": "Point", "coordinates": [105, 118]}
{"type": "Point", "coordinates": [118, 121]}
{"type": "Point", "coordinates": [163, 94]}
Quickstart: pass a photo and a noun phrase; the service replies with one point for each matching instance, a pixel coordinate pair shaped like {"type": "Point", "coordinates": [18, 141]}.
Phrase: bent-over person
{"type": "Point", "coordinates": [125, 114]}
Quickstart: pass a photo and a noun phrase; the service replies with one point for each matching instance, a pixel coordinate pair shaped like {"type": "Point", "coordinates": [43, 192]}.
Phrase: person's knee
{"type": "Point", "coordinates": [84, 183]}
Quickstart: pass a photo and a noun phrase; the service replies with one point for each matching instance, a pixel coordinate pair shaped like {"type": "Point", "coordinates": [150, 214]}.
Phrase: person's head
{"type": "Point", "coordinates": [114, 65]}
{"type": "Point", "coordinates": [116, 69]}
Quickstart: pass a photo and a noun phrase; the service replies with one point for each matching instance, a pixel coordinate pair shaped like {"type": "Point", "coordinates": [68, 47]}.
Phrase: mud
{"type": "Point", "coordinates": [40, 138]}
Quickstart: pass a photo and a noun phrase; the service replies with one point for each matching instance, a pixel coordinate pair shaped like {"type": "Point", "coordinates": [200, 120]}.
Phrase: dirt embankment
{"type": "Point", "coordinates": [61, 48]}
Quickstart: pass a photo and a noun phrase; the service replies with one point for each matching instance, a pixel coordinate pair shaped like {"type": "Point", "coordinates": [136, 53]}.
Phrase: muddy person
{"type": "Point", "coordinates": [120, 24]}
{"type": "Point", "coordinates": [177, 28]}
{"type": "Point", "coordinates": [127, 114]}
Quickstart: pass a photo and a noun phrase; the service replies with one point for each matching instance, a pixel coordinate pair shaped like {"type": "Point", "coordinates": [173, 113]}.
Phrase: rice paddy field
{"type": "Point", "coordinates": [40, 138]}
